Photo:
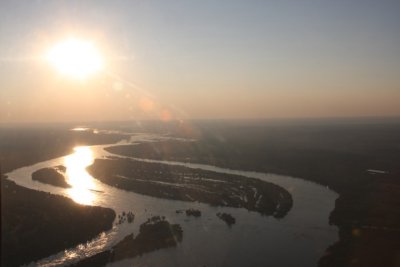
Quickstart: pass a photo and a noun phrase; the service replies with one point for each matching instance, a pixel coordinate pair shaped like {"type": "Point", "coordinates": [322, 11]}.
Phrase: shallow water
{"type": "Point", "coordinates": [298, 239]}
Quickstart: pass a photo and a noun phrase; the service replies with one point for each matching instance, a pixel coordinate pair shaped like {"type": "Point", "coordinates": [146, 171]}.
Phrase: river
{"type": "Point", "coordinates": [298, 239]}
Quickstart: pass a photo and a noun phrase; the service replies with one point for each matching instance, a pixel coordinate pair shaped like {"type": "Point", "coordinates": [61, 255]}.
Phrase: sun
{"type": "Point", "coordinates": [75, 58]}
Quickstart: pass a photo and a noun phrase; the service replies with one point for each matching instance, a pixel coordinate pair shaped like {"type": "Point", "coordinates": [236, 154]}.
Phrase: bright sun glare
{"type": "Point", "coordinates": [77, 177]}
{"type": "Point", "coordinates": [75, 58]}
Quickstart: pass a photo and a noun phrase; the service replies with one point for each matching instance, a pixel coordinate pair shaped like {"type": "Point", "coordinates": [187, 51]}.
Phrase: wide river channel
{"type": "Point", "coordinates": [298, 239]}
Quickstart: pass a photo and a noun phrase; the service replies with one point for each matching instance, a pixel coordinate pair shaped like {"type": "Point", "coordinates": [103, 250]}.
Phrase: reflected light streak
{"type": "Point", "coordinates": [77, 176]}
{"type": "Point", "coordinates": [80, 129]}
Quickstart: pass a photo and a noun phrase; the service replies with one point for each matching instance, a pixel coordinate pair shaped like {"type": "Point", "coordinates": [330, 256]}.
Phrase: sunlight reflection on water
{"type": "Point", "coordinates": [77, 176]}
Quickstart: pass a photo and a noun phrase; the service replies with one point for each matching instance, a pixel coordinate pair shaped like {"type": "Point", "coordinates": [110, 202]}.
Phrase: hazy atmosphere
{"type": "Point", "coordinates": [202, 59]}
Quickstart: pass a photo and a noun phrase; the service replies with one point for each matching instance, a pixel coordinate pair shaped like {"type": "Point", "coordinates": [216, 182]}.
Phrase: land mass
{"type": "Point", "coordinates": [227, 218]}
{"type": "Point", "coordinates": [156, 233]}
{"type": "Point", "coordinates": [50, 176]}
{"type": "Point", "coordinates": [187, 184]}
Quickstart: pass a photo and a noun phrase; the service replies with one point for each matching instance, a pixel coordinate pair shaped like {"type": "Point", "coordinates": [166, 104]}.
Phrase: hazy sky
{"type": "Point", "coordinates": [203, 59]}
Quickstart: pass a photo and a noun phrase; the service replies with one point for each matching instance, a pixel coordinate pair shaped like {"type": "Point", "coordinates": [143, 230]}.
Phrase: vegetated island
{"type": "Point", "coordinates": [227, 218]}
{"type": "Point", "coordinates": [156, 233]}
{"type": "Point", "coordinates": [53, 176]}
{"type": "Point", "coordinates": [193, 212]}
{"type": "Point", "coordinates": [190, 212]}
{"type": "Point", "coordinates": [187, 184]}
{"type": "Point", "coordinates": [125, 217]}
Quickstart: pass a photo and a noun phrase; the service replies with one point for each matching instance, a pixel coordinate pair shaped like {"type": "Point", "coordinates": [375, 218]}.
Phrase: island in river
{"type": "Point", "coordinates": [52, 176]}
{"type": "Point", "coordinates": [156, 233]}
{"type": "Point", "coordinates": [187, 184]}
